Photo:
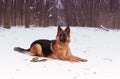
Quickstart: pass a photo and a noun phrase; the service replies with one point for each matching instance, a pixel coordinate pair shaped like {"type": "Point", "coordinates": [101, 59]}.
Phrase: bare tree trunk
{"type": "Point", "coordinates": [1, 12]}
{"type": "Point", "coordinates": [21, 12]}
{"type": "Point", "coordinates": [7, 12]}
{"type": "Point", "coordinates": [27, 14]}
{"type": "Point", "coordinates": [14, 12]}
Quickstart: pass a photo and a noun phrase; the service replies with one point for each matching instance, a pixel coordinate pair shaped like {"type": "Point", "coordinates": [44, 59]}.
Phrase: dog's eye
{"type": "Point", "coordinates": [62, 37]}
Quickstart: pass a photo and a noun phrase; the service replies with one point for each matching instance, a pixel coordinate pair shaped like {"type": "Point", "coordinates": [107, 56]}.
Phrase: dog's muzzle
{"type": "Point", "coordinates": [63, 38]}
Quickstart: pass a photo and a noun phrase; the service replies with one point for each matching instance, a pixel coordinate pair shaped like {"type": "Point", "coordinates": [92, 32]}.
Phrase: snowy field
{"type": "Point", "coordinates": [100, 47]}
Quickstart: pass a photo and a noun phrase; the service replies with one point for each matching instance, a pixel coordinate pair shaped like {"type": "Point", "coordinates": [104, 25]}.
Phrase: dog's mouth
{"type": "Point", "coordinates": [62, 38]}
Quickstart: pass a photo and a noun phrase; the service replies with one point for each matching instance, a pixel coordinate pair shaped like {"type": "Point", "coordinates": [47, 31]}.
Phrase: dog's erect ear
{"type": "Point", "coordinates": [67, 29]}
{"type": "Point", "coordinates": [59, 28]}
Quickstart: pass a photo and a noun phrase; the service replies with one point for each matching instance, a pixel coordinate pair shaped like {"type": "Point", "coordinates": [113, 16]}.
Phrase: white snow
{"type": "Point", "coordinates": [50, 15]}
{"type": "Point", "coordinates": [31, 8]}
{"type": "Point", "coordinates": [100, 47]}
{"type": "Point", "coordinates": [59, 4]}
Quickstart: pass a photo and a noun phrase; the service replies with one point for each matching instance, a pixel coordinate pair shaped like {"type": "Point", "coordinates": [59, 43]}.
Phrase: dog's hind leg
{"type": "Point", "coordinates": [36, 50]}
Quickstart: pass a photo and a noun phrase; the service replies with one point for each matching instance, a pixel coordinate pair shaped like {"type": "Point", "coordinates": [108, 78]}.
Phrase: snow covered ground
{"type": "Point", "coordinates": [100, 47]}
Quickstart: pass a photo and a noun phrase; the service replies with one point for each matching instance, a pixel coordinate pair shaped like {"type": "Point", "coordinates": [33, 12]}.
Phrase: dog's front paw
{"type": "Point", "coordinates": [84, 60]}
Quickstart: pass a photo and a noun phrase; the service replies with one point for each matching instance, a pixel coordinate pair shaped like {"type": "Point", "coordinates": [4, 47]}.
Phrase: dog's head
{"type": "Point", "coordinates": [63, 36]}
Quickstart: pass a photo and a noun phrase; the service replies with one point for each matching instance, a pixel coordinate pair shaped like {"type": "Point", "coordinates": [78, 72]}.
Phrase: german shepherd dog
{"type": "Point", "coordinates": [57, 49]}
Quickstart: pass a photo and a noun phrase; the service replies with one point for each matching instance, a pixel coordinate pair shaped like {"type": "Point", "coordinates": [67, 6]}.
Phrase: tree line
{"type": "Point", "coordinates": [86, 13]}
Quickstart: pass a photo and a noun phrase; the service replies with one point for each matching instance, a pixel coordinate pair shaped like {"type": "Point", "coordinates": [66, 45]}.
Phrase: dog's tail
{"type": "Point", "coordinates": [21, 50]}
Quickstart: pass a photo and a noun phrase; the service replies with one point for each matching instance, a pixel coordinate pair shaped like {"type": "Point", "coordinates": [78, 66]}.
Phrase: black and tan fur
{"type": "Point", "coordinates": [58, 49]}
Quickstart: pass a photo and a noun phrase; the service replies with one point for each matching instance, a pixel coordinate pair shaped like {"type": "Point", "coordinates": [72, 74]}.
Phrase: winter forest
{"type": "Point", "coordinates": [86, 13]}
{"type": "Point", "coordinates": [94, 35]}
